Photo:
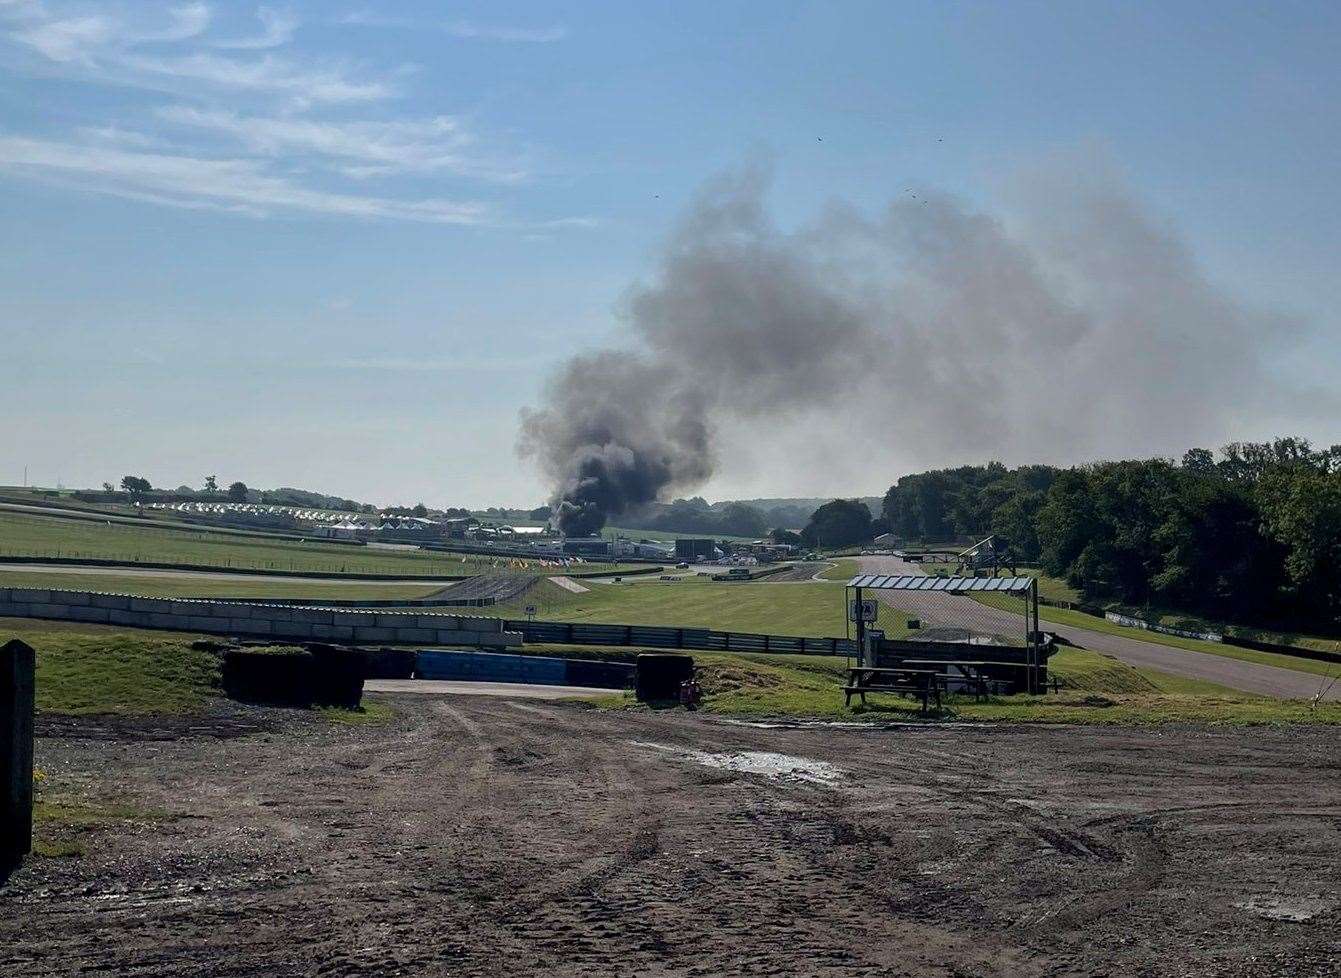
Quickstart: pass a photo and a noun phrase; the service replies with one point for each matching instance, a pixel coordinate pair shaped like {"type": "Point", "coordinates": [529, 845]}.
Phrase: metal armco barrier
{"type": "Point", "coordinates": [17, 665]}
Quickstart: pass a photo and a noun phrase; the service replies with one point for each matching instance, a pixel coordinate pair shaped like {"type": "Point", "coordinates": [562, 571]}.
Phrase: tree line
{"type": "Point", "coordinates": [1251, 533]}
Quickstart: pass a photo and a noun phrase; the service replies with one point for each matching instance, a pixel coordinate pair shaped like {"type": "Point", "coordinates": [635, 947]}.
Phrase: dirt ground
{"type": "Point", "coordinates": [477, 836]}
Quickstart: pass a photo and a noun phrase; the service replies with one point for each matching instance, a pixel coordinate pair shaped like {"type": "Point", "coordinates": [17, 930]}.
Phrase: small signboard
{"type": "Point", "coordinates": [530, 611]}
{"type": "Point", "coordinates": [866, 609]}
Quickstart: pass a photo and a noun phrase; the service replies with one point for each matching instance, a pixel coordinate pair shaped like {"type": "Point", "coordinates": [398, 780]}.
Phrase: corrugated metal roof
{"type": "Point", "coordinates": [922, 582]}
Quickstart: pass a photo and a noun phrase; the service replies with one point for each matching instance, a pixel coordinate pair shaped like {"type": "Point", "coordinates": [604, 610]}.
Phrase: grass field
{"type": "Point", "coordinates": [83, 669]}
{"type": "Point", "coordinates": [94, 669]}
{"type": "Point", "coordinates": [806, 609]}
{"type": "Point", "coordinates": [25, 535]}
{"type": "Point", "coordinates": [1098, 691]}
{"type": "Point", "coordinates": [798, 608]}
{"type": "Point", "coordinates": [153, 586]}
{"type": "Point", "coordinates": [841, 570]}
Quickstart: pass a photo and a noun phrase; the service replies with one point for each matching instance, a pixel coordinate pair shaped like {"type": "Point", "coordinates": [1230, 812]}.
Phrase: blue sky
{"type": "Point", "coordinates": [340, 245]}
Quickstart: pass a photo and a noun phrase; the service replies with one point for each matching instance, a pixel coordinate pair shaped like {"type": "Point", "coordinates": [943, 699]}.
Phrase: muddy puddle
{"type": "Point", "coordinates": [768, 764]}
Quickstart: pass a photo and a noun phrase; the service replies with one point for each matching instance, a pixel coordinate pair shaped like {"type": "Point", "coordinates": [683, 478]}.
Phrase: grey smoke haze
{"type": "Point", "coordinates": [1078, 328]}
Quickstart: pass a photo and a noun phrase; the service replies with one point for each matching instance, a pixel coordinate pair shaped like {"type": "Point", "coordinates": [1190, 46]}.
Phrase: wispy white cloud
{"type": "Point", "coordinates": [305, 84]}
{"type": "Point", "coordinates": [459, 28]}
{"type": "Point", "coordinates": [83, 37]}
{"type": "Point", "coordinates": [277, 29]}
{"type": "Point", "coordinates": [282, 153]}
{"type": "Point", "coordinates": [508, 35]}
{"type": "Point", "coordinates": [120, 45]}
{"type": "Point", "coordinates": [440, 144]}
{"type": "Point", "coordinates": [221, 184]}
{"type": "Point", "coordinates": [183, 22]}
{"type": "Point", "coordinates": [115, 135]}
{"type": "Point", "coordinates": [67, 40]}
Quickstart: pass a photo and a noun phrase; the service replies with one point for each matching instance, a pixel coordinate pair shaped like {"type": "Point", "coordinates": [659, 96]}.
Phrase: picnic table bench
{"type": "Point", "coordinates": [973, 672]}
{"type": "Point", "coordinates": [923, 683]}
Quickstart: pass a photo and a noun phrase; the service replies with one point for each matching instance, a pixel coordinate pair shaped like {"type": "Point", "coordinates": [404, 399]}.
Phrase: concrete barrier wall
{"type": "Point", "coordinates": [255, 620]}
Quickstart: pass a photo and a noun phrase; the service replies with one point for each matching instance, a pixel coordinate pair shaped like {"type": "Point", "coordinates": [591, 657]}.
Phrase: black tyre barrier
{"type": "Point", "coordinates": [323, 675]}
{"type": "Point", "coordinates": [337, 676]}
{"type": "Point", "coordinates": [658, 675]}
{"type": "Point", "coordinates": [261, 676]}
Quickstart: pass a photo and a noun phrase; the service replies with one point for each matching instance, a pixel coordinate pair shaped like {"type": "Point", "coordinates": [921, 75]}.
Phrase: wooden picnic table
{"type": "Point", "coordinates": [884, 679]}
{"type": "Point", "coordinates": [972, 670]}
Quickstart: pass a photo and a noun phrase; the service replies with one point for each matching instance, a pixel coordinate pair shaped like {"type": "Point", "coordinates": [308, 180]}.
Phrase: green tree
{"type": "Point", "coordinates": [1301, 510]}
{"type": "Point", "coordinates": [211, 483]}
{"type": "Point", "coordinates": [1199, 460]}
{"type": "Point", "coordinates": [740, 520]}
{"type": "Point", "coordinates": [841, 523]}
{"type": "Point", "coordinates": [237, 492]}
{"type": "Point", "coordinates": [135, 485]}
{"type": "Point", "coordinates": [1015, 522]}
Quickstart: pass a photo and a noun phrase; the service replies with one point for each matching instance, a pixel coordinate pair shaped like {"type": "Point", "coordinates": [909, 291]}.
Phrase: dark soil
{"type": "Point", "coordinates": [479, 836]}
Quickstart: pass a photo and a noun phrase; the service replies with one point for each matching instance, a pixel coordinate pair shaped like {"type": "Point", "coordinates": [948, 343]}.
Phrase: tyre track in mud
{"type": "Point", "coordinates": [476, 836]}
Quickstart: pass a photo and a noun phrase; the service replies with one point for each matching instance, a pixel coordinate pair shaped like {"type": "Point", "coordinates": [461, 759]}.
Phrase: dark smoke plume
{"type": "Point", "coordinates": [1080, 328]}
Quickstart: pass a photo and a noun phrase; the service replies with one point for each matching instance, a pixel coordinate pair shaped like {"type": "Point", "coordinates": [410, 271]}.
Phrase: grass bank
{"type": "Point", "coordinates": [791, 608]}
{"type": "Point", "coordinates": [127, 672]}
{"type": "Point", "coordinates": [202, 586]}
{"type": "Point", "coordinates": [841, 570]}
{"type": "Point", "coordinates": [25, 535]}
{"type": "Point", "coordinates": [1098, 690]}
{"type": "Point", "coordinates": [1063, 616]}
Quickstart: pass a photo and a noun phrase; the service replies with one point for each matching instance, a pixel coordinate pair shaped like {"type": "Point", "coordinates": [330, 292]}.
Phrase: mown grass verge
{"type": "Point", "coordinates": [128, 672]}
{"type": "Point", "coordinates": [777, 608]}
{"type": "Point", "coordinates": [202, 586]}
{"type": "Point", "coordinates": [1063, 616]}
{"type": "Point", "coordinates": [1097, 690]}
{"type": "Point", "coordinates": [32, 535]}
{"type": "Point", "coordinates": [841, 570]}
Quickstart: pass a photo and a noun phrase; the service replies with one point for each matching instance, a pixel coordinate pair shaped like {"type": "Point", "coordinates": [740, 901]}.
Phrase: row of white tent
{"type": "Point", "coordinates": [341, 520]}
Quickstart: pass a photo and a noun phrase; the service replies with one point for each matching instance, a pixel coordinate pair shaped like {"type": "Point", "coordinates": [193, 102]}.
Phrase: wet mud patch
{"type": "Point", "coordinates": [767, 764]}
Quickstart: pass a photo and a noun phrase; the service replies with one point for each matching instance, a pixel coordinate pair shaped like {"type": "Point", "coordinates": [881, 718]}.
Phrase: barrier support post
{"type": "Point", "coordinates": [17, 666]}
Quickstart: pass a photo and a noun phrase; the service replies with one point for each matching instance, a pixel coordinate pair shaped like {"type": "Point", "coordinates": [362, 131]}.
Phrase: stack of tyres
{"type": "Point", "coordinates": [337, 676]}
{"type": "Point", "coordinates": [658, 676]}
{"type": "Point", "coordinates": [258, 675]}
